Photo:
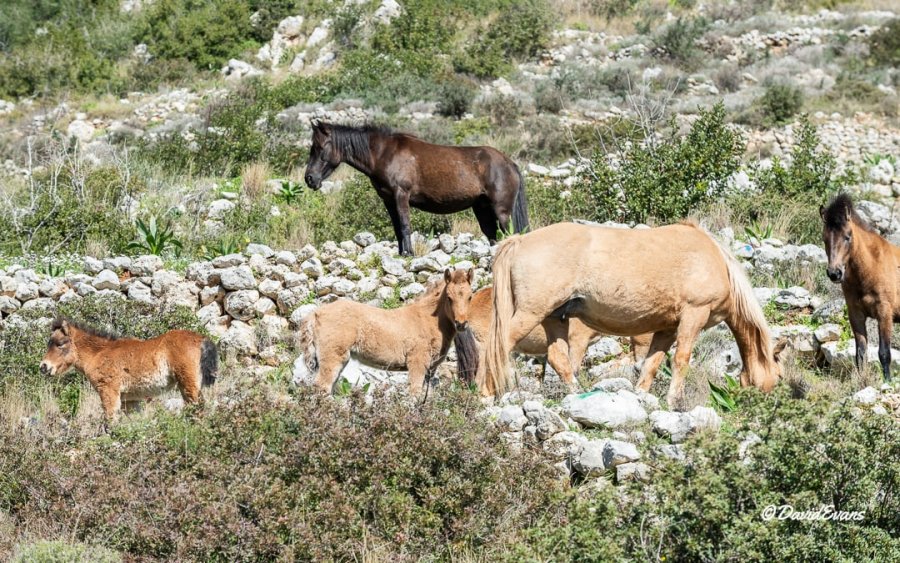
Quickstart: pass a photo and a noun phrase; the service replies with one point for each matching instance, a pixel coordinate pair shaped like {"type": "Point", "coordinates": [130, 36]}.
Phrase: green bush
{"type": "Point", "coordinates": [455, 98]}
{"type": "Point", "coordinates": [797, 188]}
{"type": "Point", "coordinates": [68, 210]}
{"type": "Point", "coordinates": [780, 103]}
{"type": "Point", "coordinates": [305, 479]}
{"type": "Point", "coordinates": [521, 30]}
{"type": "Point", "coordinates": [500, 109]}
{"type": "Point", "coordinates": [548, 97]}
{"type": "Point", "coordinates": [677, 41]}
{"type": "Point", "coordinates": [207, 33]}
{"type": "Point", "coordinates": [884, 44]}
{"type": "Point", "coordinates": [669, 179]}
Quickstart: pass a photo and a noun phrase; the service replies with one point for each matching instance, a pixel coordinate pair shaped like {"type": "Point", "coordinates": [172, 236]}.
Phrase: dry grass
{"type": "Point", "coordinates": [253, 179]}
{"type": "Point", "coordinates": [463, 223]}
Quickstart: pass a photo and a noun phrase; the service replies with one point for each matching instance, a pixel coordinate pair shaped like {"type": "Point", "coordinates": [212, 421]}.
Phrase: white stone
{"type": "Point", "coordinates": [237, 278]}
{"type": "Point", "coordinates": [239, 304]}
{"type": "Point", "coordinates": [604, 410]}
{"type": "Point", "coordinates": [106, 279]}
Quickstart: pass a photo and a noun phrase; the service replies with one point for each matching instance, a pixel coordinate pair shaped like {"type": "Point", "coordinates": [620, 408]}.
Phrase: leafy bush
{"type": "Point", "coordinates": [521, 30]}
{"type": "Point", "coordinates": [500, 109]}
{"type": "Point", "coordinates": [305, 479]}
{"type": "Point", "coordinates": [203, 32]}
{"type": "Point", "coordinates": [153, 238]}
{"type": "Point", "coordinates": [669, 179]}
{"type": "Point", "coordinates": [67, 209]}
{"type": "Point", "coordinates": [884, 44]}
{"type": "Point", "coordinates": [781, 102]}
{"type": "Point", "coordinates": [455, 98]}
{"type": "Point", "coordinates": [548, 98]}
{"type": "Point", "coordinates": [798, 188]}
{"type": "Point", "coordinates": [677, 41]}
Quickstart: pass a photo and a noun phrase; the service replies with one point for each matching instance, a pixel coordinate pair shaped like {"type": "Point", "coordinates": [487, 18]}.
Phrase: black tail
{"type": "Point", "coordinates": [520, 206]}
{"type": "Point", "coordinates": [209, 362]}
{"type": "Point", "coordinates": [466, 355]}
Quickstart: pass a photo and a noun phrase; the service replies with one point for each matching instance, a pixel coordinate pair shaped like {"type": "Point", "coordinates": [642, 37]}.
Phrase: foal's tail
{"type": "Point", "coordinates": [497, 376]}
{"type": "Point", "coordinates": [466, 355]}
{"type": "Point", "coordinates": [308, 344]}
{"type": "Point", "coordinates": [520, 205]}
{"type": "Point", "coordinates": [209, 363]}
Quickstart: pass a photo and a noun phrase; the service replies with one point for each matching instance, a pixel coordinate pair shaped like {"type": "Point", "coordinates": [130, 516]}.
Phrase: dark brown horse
{"type": "Point", "coordinates": [406, 171]}
{"type": "Point", "coordinates": [868, 269]}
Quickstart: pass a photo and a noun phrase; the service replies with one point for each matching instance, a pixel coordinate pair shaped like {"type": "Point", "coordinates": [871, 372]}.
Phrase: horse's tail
{"type": "Point", "coordinates": [308, 344]}
{"type": "Point", "coordinates": [747, 310]}
{"type": "Point", "coordinates": [497, 377]}
{"type": "Point", "coordinates": [520, 205]}
{"type": "Point", "coordinates": [209, 362]}
{"type": "Point", "coordinates": [466, 355]}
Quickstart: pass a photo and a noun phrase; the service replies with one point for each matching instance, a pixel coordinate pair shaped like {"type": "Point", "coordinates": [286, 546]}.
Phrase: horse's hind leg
{"type": "Point", "coordinates": [885, 328]}
{"type": "Point", "coordinates": [558, 347]}
{"type": "Point", "coordinates": [689, 326]}
{"type": "Point", "coordinates": [656, 353]}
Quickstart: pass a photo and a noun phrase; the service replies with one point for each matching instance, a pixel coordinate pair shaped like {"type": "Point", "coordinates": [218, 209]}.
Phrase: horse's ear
{"type": "Point", "coordinates": [323, 128]}
{"type": "Point", "coordinates": [64, 327]}
{"type": "Point", "coordinates": [447, 275]}
{"type": "Point", "coordinates": [779, 348]}
{"type": "Point", "coordinates": [822, 211]}
{"type": "Point", "coordinates": [470, 275]}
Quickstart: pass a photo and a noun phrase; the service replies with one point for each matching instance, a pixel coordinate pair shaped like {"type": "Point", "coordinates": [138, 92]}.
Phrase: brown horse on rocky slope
{"type": "Point", "coordinates": [868, 269]}
{"type": "Point", "coordinates": [407, 171]}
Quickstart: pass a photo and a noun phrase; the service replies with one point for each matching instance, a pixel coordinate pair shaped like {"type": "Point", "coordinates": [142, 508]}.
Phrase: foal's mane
{"type": "Point", "coordinates": [58, 323]}
{"type": "Point", "coordinates": [839, 211]}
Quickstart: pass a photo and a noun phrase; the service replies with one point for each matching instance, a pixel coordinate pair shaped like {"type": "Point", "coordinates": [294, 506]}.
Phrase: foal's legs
{"type": "Point", "coordinates": [330, 367]}
{"type": "Point", "coordinates": [691, 323]}
{"type": "Point", "coordinates": [656, 353]}
{"type": "Point", "coordinates": [858, 325]}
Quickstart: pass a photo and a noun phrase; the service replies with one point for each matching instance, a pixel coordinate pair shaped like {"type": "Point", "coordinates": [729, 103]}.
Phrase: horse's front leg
{"type": "Point", "coordinates": [858, 325]}
{"type": "Point", "coordinates": [401, 198]}
{"type": "Point", "coordinates": [885, 328]}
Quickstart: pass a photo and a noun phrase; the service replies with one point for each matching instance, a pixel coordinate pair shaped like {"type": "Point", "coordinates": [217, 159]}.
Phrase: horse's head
{"type": "Point", "coordinates": [458, 292]}
{"type": "Point", "coordinates": [61, 353]}
{"type": "Point", "coordinates": [324, 156]}
{"type": "Point", "coordinates": [837, 235]}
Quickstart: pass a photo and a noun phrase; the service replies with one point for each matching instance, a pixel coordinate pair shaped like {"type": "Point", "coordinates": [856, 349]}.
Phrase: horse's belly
{"type": "Point", "coordinates": [450, 204]}
{"type": "Point", "coordinates": [148, 384]}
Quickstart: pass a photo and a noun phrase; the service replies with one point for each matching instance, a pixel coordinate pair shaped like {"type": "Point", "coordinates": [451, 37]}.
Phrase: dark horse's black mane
{"type": "Point", "coordinates": [353, 142]}
{"type": "Point", "coordinates": [839, 212]}
{"type": "Point", "coordinates": [58, 322]}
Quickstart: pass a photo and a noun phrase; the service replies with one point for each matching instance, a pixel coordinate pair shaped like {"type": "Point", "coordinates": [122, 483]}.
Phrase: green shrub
{"type": "Point", "coordinates": [305, 479]}
{"type": "Point", "coordinates": [68, 210]}
{"type": "Point", "coordinates": [884, 44]}
{"type": "Point", "coordinates": [500, 109]}
{"type": "Point", "coordinates": [669, 179]}
{"type": "Point", "coordinates": [521, 30]}
{"type": "Point", "coordinates": [548, 98]}
{"type": "Point", "coordinates": [797, 188]}
{"type": "Point", "coordinates": [455, 98]}
{"type": "Point", "coordinates": [207, 33]}
{"type": "Point", "coordinates": [677, 41]}
{"type": "Point", "coordinates": [780, 103]}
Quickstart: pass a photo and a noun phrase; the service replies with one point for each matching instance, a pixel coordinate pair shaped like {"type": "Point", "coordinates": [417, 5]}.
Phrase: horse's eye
{"type": "Point", "coordinates": [848, 237]}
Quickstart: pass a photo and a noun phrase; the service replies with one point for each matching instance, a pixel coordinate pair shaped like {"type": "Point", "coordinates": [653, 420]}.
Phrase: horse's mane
{"type": "Point", "coordinates": [58, 322]}
{"type": "Point", "coordinates": [839, 211]}
{"type": "Point", "coordinates": [353, 141]}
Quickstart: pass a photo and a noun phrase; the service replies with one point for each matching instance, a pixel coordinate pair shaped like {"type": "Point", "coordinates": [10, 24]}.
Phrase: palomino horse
{"type": "Point", "coordinates": [129, 369]}
{"type": "Point", "coordinates": [414, 338]}
{"type": "Point", "coordinates": [868, 269]}
{"type": "Point", "coordinates": [551, 339]}
{"type": "Point", "coordinates": [672, 281]}
{"type": "Point", "coordinates": [406, 171]}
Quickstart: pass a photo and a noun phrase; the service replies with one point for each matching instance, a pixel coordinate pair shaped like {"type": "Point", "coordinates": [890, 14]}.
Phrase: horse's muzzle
{"type": "Point", "coordinates": [461, 326]}
{"type": "Point", "coordinates": [45, 368]}
{"type": "Point", "coordinates": [835, 274]}
{"type": "Point", "coordinates": [311, 181]}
